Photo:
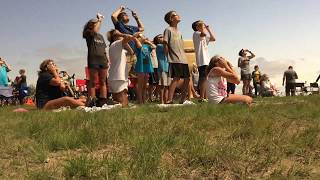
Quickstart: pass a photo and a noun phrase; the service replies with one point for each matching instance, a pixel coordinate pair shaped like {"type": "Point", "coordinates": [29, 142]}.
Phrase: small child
{"type": "Point", "coordinates": [118, 72]}
{"type": "Point", "coordinates": [153, 77]}
{"type": "Point", "coordinates": [22, 85]}
{"type": "Point", "coordinates": [200, 42]}
{"type": "Point", "coordinates": [256, 76]}
{"type": "Point", "coordinates": [143, 65]}
{"type": "Point", "coordinates": [219, 72]}
{"type": "Point", "coordinates": [174, 49]}
{"type": "Point", "coordinates": [163, 69]}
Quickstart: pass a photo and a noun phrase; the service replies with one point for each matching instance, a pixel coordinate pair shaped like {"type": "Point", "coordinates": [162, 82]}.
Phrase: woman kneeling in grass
{"type": "Point", "coordinates": [219, 72]}
{"type": "Point", "coordinates": [50, 88]}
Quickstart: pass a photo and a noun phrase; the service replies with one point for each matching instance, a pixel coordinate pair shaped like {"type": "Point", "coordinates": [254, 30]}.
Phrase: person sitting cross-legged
{"type": "Point", "coordinates": [50, 88]}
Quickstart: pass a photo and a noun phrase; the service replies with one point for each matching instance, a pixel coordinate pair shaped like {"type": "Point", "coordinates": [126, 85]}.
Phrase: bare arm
{"type": "Point", "coordinates": [251, 54]}
{"type": "Point", "coordinates": [283, 79]}
{"type": "Point", "coordinates": [212, 36]}
{"type": "Point", "coordinates": [125, 44]}
{"type": "Point", "coordinates": [137, 42]}
{"type": "Point", "coordinates": [7, 66]}
{"type": "Point", "coordinates": [139, 22]}
{"type": "Point", "coordinates": [114, 16]}
{"type": "Point", "coordinates": [56, 80]}
{"type": "Point", "coordinates": [231, 77]}
{"type": "Point", "coordinates": [166, 37]}
{"type": "Point", "coordinates": [153, 46]}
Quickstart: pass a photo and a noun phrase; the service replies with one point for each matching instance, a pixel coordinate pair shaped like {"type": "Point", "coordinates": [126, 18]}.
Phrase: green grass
{"type": "Point", "coordinates": [277, 138]}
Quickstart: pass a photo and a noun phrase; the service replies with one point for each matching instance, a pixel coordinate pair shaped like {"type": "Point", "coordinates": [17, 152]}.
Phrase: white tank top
{"type": "Point", "coordinates": [217, 89]}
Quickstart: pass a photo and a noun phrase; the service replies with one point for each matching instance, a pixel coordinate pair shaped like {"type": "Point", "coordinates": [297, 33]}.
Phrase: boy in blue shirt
{"type": "Point", "coordinates": [163, 69]}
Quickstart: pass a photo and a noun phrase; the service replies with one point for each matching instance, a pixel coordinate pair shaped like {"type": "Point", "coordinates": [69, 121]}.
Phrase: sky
{"type": "Point", "coordinates": [279, 32]}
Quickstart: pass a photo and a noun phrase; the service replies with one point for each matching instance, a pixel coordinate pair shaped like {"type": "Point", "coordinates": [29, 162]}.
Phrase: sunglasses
{"type": "Point", "coordinates": [173, 15]}
{"type": "Point", "coordinates": [51, 64]}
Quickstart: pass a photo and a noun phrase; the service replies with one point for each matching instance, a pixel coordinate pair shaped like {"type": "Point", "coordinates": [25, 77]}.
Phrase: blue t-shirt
{"type": "Point", "coordinates": [163, 64]}
{"type": "Point", "coordinates": [4, 76]}
{"type": "Point", "coordinates": [144, 64]}
{"type": "Point", "coordinates": [126, 29]}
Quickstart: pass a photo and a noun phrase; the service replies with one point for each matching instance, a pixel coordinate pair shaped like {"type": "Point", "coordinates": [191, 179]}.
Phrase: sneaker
{"type": "Point", "coordinates": [169, 102]}
{"type": "Point", "coordinates": [101, 102]}
{"type": "Point", "coordinates": [187, 102]}
{"type": "Point", "coordinates": [112, 102]}
{"type": "Point", "coordinates": [203, 100]}
{"type": "Point", "coordinates": [91, 102]}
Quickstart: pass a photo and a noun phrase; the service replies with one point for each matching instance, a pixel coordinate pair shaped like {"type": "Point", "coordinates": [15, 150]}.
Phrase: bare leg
{"type": "Point", "coordinates": [235, 98]}
{"type": "Point", "coordinates": [192, 90]}
{"type": "Point", "coordinates": [203, 88]}
{"type": "Point", "coordinates": [184, 89]}
{"type": "Point", "coordinates": [166, 94]}
{"type": "Point", "coordinates": [64, 101]}
{"type": "Point", "coordinates": [102, 80]}
{"type": "Point", "coordinates": [144, 89]}
{"type": "Point", "coordinates": [140, 87]}
{"type": "Point", "coordinates": [92, 89]}
{"type": "Point", "coordinates": [122, 97]}
{"type": "Point", "coordinates": [162, 98]}
{"type": "Point", "coordinates": [150, 92]}
{"type": "Point", "coordinates": [125, 100]}
{"type": "Point", "coordinates": [172, 88]}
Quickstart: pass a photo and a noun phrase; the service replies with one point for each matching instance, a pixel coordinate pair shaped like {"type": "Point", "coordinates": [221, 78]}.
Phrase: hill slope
{"type": "Point", "coordinates": [276, 138]}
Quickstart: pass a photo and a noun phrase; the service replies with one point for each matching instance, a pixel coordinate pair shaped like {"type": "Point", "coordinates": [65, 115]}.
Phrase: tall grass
{"type": "Point", "coordinates": [276, 138]}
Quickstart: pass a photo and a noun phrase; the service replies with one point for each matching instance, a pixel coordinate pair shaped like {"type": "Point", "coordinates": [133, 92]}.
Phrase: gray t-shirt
{"type": "Point", "coordinates": [175, 44]}
{"type": "Point", "coordinates": [244, 64]}
{"type": "Point", "coordinates": [290, 76]}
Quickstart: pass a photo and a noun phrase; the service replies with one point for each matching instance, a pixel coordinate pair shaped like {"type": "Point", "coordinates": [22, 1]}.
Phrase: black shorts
{"type": "Point", "coordinates": [98, 66]}
{"type": "Point", "coordinates": [178, 70]}
{"type": "Point", "coordinates": [202, 72]}
{"type": "Point", "coordinates": [246, 77]}
{"type": "Point", "coordinates": [290, 87]}
{"type": "Point", "coordinates": [153, 77]}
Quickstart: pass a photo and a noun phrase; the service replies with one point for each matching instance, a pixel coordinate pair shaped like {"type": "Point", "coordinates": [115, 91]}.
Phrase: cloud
{"type": "Point", "coordinates": [273, 68]}
{"type": "Point", "coordinates": [70, 59]}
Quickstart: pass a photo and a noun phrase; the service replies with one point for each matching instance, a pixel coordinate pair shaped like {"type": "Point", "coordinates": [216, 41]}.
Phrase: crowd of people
{"type": "Point", "coordinates": [144, 69]}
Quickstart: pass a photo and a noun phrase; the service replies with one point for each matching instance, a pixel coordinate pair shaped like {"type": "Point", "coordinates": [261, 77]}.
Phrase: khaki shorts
{"type": "Point", "coordinates": [164, 79]}
{"type": "Point", "coordinates": [131, 61]}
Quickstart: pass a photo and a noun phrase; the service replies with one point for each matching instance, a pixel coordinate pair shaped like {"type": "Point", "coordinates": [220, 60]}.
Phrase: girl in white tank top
{"type": "Point", "coordinates": [217, 89]}
{"type": "Point", "coordinates": [218, 73]}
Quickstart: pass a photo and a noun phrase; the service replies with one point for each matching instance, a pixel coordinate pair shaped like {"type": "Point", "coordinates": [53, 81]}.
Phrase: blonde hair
{"type": "Point", "coordinates": [212, 63]}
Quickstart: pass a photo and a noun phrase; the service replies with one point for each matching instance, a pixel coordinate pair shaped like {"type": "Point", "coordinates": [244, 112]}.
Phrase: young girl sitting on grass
{"type": "Point", "coordinates": [50, 88]}
{"type": "Point", "coordinates": [143, 65]}
{"type": "Point", "coordinates": [219, 72]}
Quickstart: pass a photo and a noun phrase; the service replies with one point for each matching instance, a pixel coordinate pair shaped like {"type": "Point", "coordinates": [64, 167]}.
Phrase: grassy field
{"type": "Point", "coordinates": [277, 138]}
